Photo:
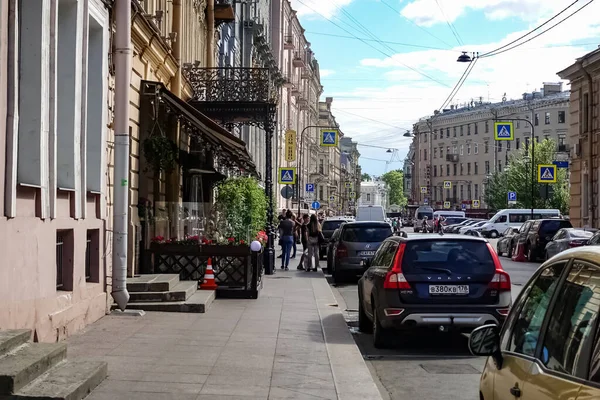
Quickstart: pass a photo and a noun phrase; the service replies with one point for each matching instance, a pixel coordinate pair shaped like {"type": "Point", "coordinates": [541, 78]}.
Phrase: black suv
{"type": "Point", "coordinates": [540, 233]}
{"type": "Point", "coordinates": [448, 282]}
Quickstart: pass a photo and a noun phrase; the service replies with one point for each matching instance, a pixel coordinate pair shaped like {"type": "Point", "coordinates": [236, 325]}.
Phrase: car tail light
{"type": "Point", "coordinates": [395, 278]}
{"type": "Point", "coordinates": [503, 311]}
{"type": "Point", "coordinates": [342, 251]}
{"type": "Point", "coordinates": [393, 312]}
{"type": "Point", "coordinates": [576, 243]}
{"type": "Point", "coordinates": [501, 279]}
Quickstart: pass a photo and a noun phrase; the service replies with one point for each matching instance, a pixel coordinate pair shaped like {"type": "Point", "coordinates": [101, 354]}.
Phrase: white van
{"type": "Point", "coordinates": [420, 214]}
{"type": "Point", "coordinates": [370, 213]}
{"type": "Point", "coordinates": [449, 214]}
{"type": "Point", "coordinates": [514, 218]}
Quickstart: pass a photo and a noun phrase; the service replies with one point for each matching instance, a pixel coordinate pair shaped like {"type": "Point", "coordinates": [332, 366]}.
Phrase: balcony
{"type": "Point", "coordinates": [452, 158]}
{"type": "Point", "coordinates": [224, 12]}
{"type": "Point", "coordinates": [288, 42]}
{"type": "Point", "coordinates": [562, 148]}
{"type": "Point", "coordinates": [305, 73]}
{"type": "Point", "coordinates": [302, 103]}
{"type": "Point", "coordinates": [287, 82]}
{"type": "Point", "coordinates": [296, 92]}
{"type": "Point", "coordinates": [298, 60]}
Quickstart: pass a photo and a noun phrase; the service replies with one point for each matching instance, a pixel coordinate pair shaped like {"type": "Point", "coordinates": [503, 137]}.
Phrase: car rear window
{"type": "Point", "coordinates": [331, 225]}
{"type": "Point", "coordinates": [580, 234]}
{"type": "Point", "coordinates": [367, 233]}
{"type": "Point", "coordinates": [551, 227]}
{"type": "Point", "coordinates": [458, 256]}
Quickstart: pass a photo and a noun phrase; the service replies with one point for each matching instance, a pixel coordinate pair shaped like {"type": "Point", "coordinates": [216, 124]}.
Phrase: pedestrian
{"type": "Point", "coordinates": [281, 217]}
{"type": "Point", "coordinates": [314, 239]}
{"type": "Point", "coordinates": [295, 244]}
{"type": "Point", "coordinates": [303, 231]}
{"type": "Point", "coordinates": [286, 232]}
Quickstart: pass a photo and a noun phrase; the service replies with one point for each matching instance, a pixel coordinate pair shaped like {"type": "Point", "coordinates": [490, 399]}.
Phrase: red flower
{"type": "Point", "coordinates": [242, 242]}
{"type": "Point", "coordinates": [231, 240]}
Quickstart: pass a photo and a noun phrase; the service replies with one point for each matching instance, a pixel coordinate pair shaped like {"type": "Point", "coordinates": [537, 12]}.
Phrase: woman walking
{"type": "Point", "coordinates": [286, 232]}
{"type": "Point", "coordinates": [314, 235]}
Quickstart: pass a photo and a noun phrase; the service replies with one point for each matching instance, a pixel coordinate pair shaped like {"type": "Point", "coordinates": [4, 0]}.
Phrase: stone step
{"type": "Point", "coordinates": [152, 283]}
{"type": "Point", "coordinates": [199, 302]}
{"type": "Point", "coordinates": [21, 366]}
{"type": "Point", "coordinates": [10, 340]}
{"type": "Point", "coordinates": [181, 292]}
{"type": "Point", "coordinates": [69, 380]}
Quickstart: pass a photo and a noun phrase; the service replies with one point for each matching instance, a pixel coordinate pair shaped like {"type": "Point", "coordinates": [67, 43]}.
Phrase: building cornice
{"type": "Point", "coordinates": [150, 46]}
{"type": "Point", "coordinates": [573, 72]}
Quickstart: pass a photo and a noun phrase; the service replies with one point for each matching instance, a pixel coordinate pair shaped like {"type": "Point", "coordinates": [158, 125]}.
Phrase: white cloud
{"type": "Point", "coordinates": [427, 12]}
{"type": "Point", "coordinates": [405, 96]}
{"type": "Point", "coordinates": [326, 72]}
{"type": "Point", "coordinates": [326, 8]}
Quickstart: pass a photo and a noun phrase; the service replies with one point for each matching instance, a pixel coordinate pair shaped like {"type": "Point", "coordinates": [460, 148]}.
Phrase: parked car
{"type": "Point", "coordinates": [594, 240]}
{"type": "Point", "coordinates": [567, 238]}
{"type": "Point", "coordinates": [450, 228]}
{"type": "Point", "coordinates": [452, 221]}
{"type": "Point", "coordinates": [356, 244]}
{"type": "Point", "coordinates": [456, 229]}
{"type": "Point", "coordinates": [330, 248]}
{"type": "Point", "coordinates": [548, 346]}
{"type": "Point", "coordinates": [329, 226]}
{"type": "Point", "coordinates": [513, 217]}
{"type": "Point", "coordinates": [473, 227]}
{"type": "Point", "coordinates": [521, 236]}
{"type": "Point", "coordinates": [505, 243]}
{"type": "Point", "coordinates": [445, 282]}
{"type": "Point", "coordinates": [540, 233]}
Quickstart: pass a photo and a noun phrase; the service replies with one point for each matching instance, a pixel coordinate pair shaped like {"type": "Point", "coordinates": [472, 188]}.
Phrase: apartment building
{"type": "Point", "coordinates": [584, 117]}
{"type": "Point", "coordinates": [408, 168]}
{"type": "Point", "coordinates": [458, 144]}
{"type": "Point", "coordinates": [374, 193]}
{"type": "Point", "coordinates": [53, 149]}
{"type": "Point", "coordinates": [330, 182]}
{"type": "Point", "coordinates": [350, 174]}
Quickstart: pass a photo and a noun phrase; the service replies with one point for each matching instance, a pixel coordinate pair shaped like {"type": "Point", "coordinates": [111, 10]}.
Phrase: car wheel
{"type": "Point", "coordinates": [379, 334]}
{"type": "Point", "coordinates": [364, 325]}
{"type": "Point", "coordinates": [493, 234]}
{"type": "Point", "coordinates": [498, 250]}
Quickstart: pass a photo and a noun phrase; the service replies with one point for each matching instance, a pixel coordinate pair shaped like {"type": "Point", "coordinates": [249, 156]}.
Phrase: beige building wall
{"type": "Point", "coordinates": [458, 145]}
{"type": "Point", "coordinates": [584, 76]}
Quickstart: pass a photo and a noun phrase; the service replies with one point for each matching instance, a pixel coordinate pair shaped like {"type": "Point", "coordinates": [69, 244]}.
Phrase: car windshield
{"type": "Point", "coordinates": [331, 225]}
{"type": "Point", "coordinates": [423, 214]}
{"type": "Point", "coordinates": [457, 256]}
{"type": "Point", "coordinates": [366, 233]}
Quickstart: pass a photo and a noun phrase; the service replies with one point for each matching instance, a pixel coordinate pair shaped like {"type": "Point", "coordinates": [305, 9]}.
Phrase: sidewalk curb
{"type": "Point", "coordinates": [351, 375]}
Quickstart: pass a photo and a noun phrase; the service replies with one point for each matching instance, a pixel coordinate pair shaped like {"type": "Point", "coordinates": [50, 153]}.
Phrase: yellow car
{"type": "Point", "coordinates": [549, 346]}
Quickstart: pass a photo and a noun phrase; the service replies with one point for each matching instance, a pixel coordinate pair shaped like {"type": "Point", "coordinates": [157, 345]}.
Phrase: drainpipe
{"type": "Point", "coordinates": [122, 59]}
{"type": "Point", "coordinates": [210, 33]}
{"type": "Point", "coordinates": [590, 160]}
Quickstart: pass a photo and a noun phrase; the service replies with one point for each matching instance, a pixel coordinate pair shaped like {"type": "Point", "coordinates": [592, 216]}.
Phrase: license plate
{"type": "Point", "coordinates": [448, 289]}
{"type": "Point", "coordinates": [366, 253]}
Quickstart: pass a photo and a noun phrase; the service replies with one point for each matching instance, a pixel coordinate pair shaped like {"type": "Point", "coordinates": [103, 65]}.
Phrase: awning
{"type": "Point", "coordinates": [227, 149]}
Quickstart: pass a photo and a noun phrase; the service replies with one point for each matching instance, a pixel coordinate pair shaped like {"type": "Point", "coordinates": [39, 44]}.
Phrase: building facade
{"type": "Point", "coordinates": [408, 168]}
{"type": "Point", "coordinates": [458, 145]}
{"type": "Point", "coordinates": [54, 144]}
{"type": "Point", "coordinates": [373, 193]}
{"type": "Point", "coordinates": [331, 185]}
{"type": "Point", "coordinates": [350, 174]}
{"type": "Point", "coordinates": [584, 117]}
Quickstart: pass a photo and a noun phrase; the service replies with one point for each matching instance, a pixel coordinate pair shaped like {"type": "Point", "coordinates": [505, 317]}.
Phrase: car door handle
{"type": "Point", "coordinates": [515, 391]}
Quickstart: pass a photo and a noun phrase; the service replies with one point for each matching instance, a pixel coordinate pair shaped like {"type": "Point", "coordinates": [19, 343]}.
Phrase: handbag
{"type": "Point", "coordinates": [321, 238]}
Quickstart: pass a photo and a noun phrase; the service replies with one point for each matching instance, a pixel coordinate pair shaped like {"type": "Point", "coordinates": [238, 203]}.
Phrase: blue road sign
{"type": "Point", "coordinates": [512, 196]}
{"type": "Point", "coordinates": [463, 206]}
{"type": "Point", "coordinates": [546, 173]}
{"type": "Point", "coordinates": [287, 176]}
{"type": "Point", "coordinates": [315, 205]}
{"type": "Point", "coordinates": [426, 201]}
{"type": "Point", "coordinates": [329, 137]}
{"type": "Point", "coordinates": [310, 187]}
{"type": "Point", "coordinates": [561, 164]}
{"type": "Point", "coordinates": [503, 131]}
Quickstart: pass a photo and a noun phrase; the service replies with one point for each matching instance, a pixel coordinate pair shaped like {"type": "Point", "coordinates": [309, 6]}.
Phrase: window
{"type": "Point", "coordinates": [499, 146]}
{"type": "Point", "coordinates": [537, 139]}
{"type": "Point", "coordinates": [448, 169]}
{"type": "Point", "coordinates": [434, 152]}
{"type": "Point", "coordinates": [461, 169]}
{"type": "Point", "coordinates": [487, 126]}
{"type": "Point", "coordinates": [454, 131]}
{"type": "Point", "coordinates": [64, 260]}
{"type": "Point", "coordinates": [561, 117]}
{"type": "Point", "coordinates": [517, 143]}
{"type": "Point", "coordinates": [435, 170]}
{"type": "Point", "coordinates": [435, 134]}
{"type": "Point", "coordinates": [462, 192]}
{"type": "Point", "coordinates": [523, 327]}
{"type": "Point", "coordinates": [468, 168]}
{"type": "Point", "coordinates": [92, 256]}
{"type": "Point", "coordinates": [476, 168]}
{"type": "Point", "coordinates": [454, 169]}
{"type": "Point", "coordinates": [570, 333]}
{"type": "Point", "coordinates": [447, 132]}
{"type": "Point", "coordinates": [499, 166]}
{"type": "Point", "coordinates": [448, 150]}
{"type": "Point", "coordinates": [486, 148]}
{"type": "Point", "coordinates": [321, 196]}
{"type": "Point", "coordinates": [425, 137]}
{"type": "Point", "coordinates": [368, 196]}
{"type": "Point", "coordinates": [527, 144]}
{"type": "Point", "coordinates": [468, 129]}
{"type": "Point", "coordinates": [476, 148]}
{"type": "Point", "coordinates": [462, 130]}
{"type": "Point", "coordinates": [455, 150]}
{"type": "Point", "coordinates": [476, 191]}
{"type": "Point", "coordinates": [469, 149]}
{"type": "Point", "coordinates": [508, 145]}
{"type": "Point", "coordinates": [425, 154]}
{"type": "Point", "coordinates": [321, 166]}
{"type": "Point", "coordinates": [487, 167]}
{"type": "Point", "coordinates": [518, 124]}
{"type": "Point", "coordinates": [476, 128]}
{"type": "Point", "coordinates": [441, 152]}
{"type": "Point", "coordinates": [536, 119]}
{"type": "Point", "coordinates": [367, 234]}
{"type": "Point", "coordinates": [547, 118]}
{"type": "Point", "coordinates": [462, 149]}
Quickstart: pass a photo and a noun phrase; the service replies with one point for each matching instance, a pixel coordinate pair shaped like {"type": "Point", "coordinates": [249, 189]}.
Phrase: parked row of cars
{"type": "Point", "coordinates": [463, 225]}
{"type": "Point", "coordinates": [545, 238]}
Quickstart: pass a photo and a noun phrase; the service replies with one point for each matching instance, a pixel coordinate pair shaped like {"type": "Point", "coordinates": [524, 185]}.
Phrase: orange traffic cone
{"type": "Point", "coordinates": [209, 278]}
{"type": "Point", "coordinates": [519, 254]}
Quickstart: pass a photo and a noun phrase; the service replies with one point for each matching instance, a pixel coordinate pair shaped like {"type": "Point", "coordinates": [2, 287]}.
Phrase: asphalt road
{"type": "Point", "coordinates": [425, 366]}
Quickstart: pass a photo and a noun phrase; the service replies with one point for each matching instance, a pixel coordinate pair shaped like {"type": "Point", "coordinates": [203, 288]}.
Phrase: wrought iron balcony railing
{"type": "Point", "coordinates": [231, 85]}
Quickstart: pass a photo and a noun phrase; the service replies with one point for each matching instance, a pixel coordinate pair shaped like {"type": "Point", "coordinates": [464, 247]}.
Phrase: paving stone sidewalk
{"type": "Point", "coordinates": [291, 343]}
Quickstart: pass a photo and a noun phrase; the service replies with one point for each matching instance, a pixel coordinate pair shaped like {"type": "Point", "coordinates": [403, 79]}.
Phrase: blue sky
{"type": "Point", "coordinates": [380, 89]}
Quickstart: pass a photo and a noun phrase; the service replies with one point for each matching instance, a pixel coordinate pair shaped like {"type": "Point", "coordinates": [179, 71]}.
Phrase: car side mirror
{"type": "Point", "coordinates": [404, 234]}
{"type": "Point", "coordinates": [485, 341]}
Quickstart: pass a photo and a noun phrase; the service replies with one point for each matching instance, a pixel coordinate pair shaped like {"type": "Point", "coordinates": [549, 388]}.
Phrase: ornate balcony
{"type": "Point", "coordinates": [232, 95]}
{"type": "Point", "coordinates": [224, 12]}
{"type": "Point", "coordinates": [298, 60]}
{"type": "Point", "coordinates": [305, 73]}
{"type": "Point", "coordinates": [288, 42]}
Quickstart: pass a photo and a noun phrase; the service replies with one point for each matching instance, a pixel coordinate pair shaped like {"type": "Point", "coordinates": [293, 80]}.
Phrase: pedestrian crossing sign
{"type": "Point", "coordinates": [352, 195]}
{"type": "Point", "coordinates": [424, 189]}
{"type": "Point", "coordinates": [447, 184]}
{"type": "Point", "coordinates": [546, 173]}
{"type": "Point", "coordinates": [287, 176]}
{"type": "Point", "coordinates": [504, 131]}
{"type": "Point", "coordinates": [446, 204]}
{"type": "Point", "coordinates": [329, 137]}
{"type": "Point", "coordinates": [348, 185]}
{"type": "Point", "coordinates": [476, 203]}
{"type": "Point", "coordinates": [331, 198]}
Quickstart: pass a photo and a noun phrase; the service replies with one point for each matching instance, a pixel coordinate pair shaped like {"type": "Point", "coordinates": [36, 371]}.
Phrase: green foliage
{"type": "Point", "coordinates": [160, 153]}
{"type": "Point", "coordinates": [395, 182]}
{"type": "Point", "coordinates": [243, 205]}
{"type": "Point", "coordinates": [365, 177]}
{"type": "Point", "coordinates": [518, 177]}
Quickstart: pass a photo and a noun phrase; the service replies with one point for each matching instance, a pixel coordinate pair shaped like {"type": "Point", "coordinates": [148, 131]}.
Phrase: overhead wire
{"type": "Point", "coordinates": [450, 25]}
{"type": "Point", "coordinates": [382, 41]}
{"type": "Point", "coordinates": [459, 84]}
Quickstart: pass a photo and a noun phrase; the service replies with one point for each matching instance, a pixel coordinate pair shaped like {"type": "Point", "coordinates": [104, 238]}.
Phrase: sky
{"type": "Point", "coordinates": [387, 63]}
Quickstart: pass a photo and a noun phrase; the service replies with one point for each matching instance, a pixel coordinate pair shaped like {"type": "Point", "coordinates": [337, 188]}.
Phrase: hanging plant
{"type": "Point", "coordinates": [161, 153]}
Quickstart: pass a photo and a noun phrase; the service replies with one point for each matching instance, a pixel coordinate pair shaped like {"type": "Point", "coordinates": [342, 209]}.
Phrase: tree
{"type": "Point", "coordinates": [395, 182]}
{"type": "Point", "coordinates": [365, 177]}
{"type": "Point", "coordinates": [517, 177]}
